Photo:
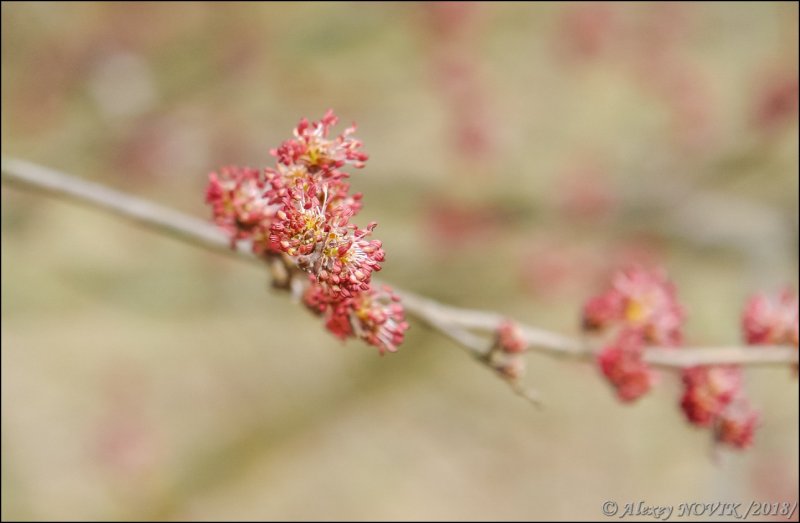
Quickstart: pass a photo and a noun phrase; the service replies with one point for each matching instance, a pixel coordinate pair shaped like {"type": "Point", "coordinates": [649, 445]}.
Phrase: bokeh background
{"type": "Point", "coordinates": [519, 153]}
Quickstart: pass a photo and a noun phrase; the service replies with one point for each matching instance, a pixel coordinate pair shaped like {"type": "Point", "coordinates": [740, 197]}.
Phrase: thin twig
{"type": "Point", "coordinates": [27, 175]}
{"type": "Point", "coordinates": [471, 329]}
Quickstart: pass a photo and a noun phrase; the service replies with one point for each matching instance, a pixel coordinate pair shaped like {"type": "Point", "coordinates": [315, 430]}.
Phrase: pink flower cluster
{"type": "Point", "coordinates": [641, 301]}
{"type": "Point", "coordinates": [771, 319]}
{"type": "Point", "coordinates": [642, 309]}
{"type": "Point", "coordinates": [713, 398]}
{"type": "Point", "coordinates": [302, 209]}
{"type": "Point", "coordinates": [622, 364]}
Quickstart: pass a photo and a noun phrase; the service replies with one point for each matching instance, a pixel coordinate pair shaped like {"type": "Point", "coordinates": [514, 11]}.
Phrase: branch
{"type": "Point", "coordinates": [473, 330]}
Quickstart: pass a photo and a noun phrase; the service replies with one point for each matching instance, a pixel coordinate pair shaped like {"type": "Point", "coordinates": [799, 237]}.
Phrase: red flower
{"type": "Point", "coordinates": [640, 300]}
{"type": "Point", "coordinates": [601, 311]}
{"type": "Point", "coordinates": [737, 425]}
{"type": "Point", "coordinates": [301, 209]}
{"type": "Point", "coordinates": [336, 253]}
{"type": "Point", "coordinates": [376, 316]}
{"type": "Point", "coordinates": [771, 319]}
{"type": "Point", "coordinates": [708, 390]}
{"type": "Point", "coordinates": [300, 225]}
{"type": "Point", "coordinates": [313, 148]}
{"type": "Point", "coordinates": [621, 363]}
{"type": "Point", "coordinates": [236, 198]}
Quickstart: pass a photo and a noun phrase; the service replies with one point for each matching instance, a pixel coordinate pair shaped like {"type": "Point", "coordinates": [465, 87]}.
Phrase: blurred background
{"type": "Point", "coordinates": [519, 154]}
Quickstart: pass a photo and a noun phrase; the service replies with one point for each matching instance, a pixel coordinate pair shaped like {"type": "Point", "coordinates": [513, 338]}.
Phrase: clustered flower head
{"type": "Point", "coordinates": [708, 390]}
{"type": "Point", "coordinates": [622, 364]}
{"type": "Point", "coordinates": [374, 315]}
{"type": "Point", "coordinates": [639, 300]}
{"type": "Point", "coordinates": [301, 210]}
{"type": "Point", "coordinates": [736, 427]}
{"type": "Point", "coordinates": [713, 398]}
{"type": "Point", "coordinates": [236, 196]}
{"type": "Point", "coordinates": [639, 309]}
{"type": "Point", "coordinates": [771, 319]}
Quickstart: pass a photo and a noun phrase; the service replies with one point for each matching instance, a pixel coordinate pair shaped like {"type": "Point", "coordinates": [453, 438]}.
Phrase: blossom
{"type": "Point", "coordinates": [316, 299]}
{"type": "Point", "coordinates": [339, 255]}
{"type": "Point", "coordinates": [737, 425]}
{"type": "Point", "coordinates": [300, 224]}
{"type": "Point", "coordinates": [622, 364]}
{"type": "Point", "coordinates": [650, 303]}
{"type": "Point", "coordinates": [641, 300]}
{"type": "Point", "coordinates": [713, 398]}
{"type": "Point", "coordinates": [708, 390]}
{"type": "Point", "coordinates": [375, 316]}
{"type": "Point", "coordinates": [642, 306]}
{"type": "Point", "coordinates": [238, 206]}
{"type": "Point", "coordinates": [379, 319]}
{"type": "Point", "coordinates": [510, 339]}
{"type": "Point", "coordinates": [347, 259]}
{"type": "Point", "coordinates": [283, 179]}
{"type": "Point", "coordinates": [600, 312]}
{"type": "Point", "coordinates": [299, 212]}
{"type": "Point", "coordinates": [771, 319]}
{"type": "Point", "coordinates": [312, 147]}
{"type": "Point", "coordinates": [505, 356]}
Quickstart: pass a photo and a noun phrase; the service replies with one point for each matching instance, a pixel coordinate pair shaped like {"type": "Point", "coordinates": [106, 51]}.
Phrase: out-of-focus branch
{"type": "Point", "coordinates": [473, 330]}
{"type": "Point", "coordinates": [33, 177]}
{"type": "Point", "coordinates": [434, 313]}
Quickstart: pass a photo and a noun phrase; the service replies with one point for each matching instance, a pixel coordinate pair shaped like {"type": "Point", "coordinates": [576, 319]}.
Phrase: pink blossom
{"type": "Point", "coordinates": [300, 224]}
{"type": "Point", "coordinates": [641, 300]}
{"type": "Point", "coordinates": [510, 339]}
{"type": "Point", "coordinates": [771, 319]}
{"type": "Point", "coordinates": [238, 205]}
{"type": "Point", "coordinates": [600, 312]}
{"type": "Point", "coordinates": [651, 305]}
{"type": "Point", "coordinates": [312, 147]}
{"type": "Point", "coordinates": [347, 259]}
{"type": "Point", "coordinates": [737, 425]}
{"type": "Point", "coordinates": [641, 305]}
{"type": "Point", "coordinates": [708, 390]}
{"type": "Point", "coordinates": [300, 210]}
{"type": "Point", "coordinates": [622, 364]}
{"type": "Point", "coordinates": [339, 255]}
{"type": "Point", "coordinates": [376, 316]}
